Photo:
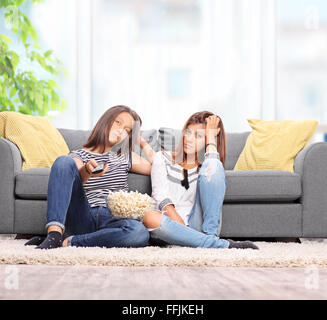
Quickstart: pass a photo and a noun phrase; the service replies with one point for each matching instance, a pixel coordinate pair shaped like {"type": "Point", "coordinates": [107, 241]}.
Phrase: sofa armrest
{"type": "Point", "coordinates": [311, 164]}
{"type": "Point", "coordinates": [10, 165]}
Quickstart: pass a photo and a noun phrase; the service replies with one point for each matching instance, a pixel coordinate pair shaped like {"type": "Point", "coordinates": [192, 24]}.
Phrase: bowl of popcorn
{"type": "Point", "coordinates": [132, 204]}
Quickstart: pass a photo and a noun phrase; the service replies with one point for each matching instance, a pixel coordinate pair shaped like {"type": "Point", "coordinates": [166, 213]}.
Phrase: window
{"type": "Point", "coordinates": [55, 23]}
{"type": "Point", "coordinates": [169, 59]}
{"type": "Point", "coordinates": [302, 60]}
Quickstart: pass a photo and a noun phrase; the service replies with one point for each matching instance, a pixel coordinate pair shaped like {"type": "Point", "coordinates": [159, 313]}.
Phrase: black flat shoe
{"type": "Point", "coordinates": [35, 241]}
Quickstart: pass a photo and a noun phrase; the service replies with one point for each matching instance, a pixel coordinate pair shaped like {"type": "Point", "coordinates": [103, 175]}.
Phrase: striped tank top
{"type": "Point", "coordinates": [97, 188]}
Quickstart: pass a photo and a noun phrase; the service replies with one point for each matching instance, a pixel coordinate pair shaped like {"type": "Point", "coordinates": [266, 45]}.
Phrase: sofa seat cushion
{"type": "Point", "coordinates": [32, 184]}
{"type": "Point", "coordinates": [262, 185]}
{"type": "Point", "coordinates": [241, 186]}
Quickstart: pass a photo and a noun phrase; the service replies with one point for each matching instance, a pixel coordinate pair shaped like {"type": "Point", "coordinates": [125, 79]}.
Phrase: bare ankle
{"type": "Point", "coordinates": [55, 228]}
{"type": "Point", "coordinates": [65, 242]}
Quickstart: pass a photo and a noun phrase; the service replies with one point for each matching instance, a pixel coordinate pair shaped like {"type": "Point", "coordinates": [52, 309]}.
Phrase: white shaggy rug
{"type": "Point", "coordinates": [271, 254]}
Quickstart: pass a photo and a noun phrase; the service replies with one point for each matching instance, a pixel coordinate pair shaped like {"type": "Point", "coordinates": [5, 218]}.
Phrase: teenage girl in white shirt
{"type": "Point", "coordinates": [188, 185]}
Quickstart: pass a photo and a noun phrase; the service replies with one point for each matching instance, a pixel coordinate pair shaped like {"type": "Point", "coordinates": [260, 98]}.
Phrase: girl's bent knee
{"type": "Point", "coordinates": [152, 219]}
{"type": "Point", "coordinates": [139, 234]}
{"type": "Point", "coordinates": [64, 162]}
{"type": "Point", "coordinates": [212, 171]}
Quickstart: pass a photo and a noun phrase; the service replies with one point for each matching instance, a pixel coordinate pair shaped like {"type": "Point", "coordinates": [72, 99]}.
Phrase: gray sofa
{"type": "Point", "coordinates": [257, 204]}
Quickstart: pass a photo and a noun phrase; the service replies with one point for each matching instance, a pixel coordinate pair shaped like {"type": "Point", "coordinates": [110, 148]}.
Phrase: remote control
{"type": "Point", "coordinates": [98, 169]}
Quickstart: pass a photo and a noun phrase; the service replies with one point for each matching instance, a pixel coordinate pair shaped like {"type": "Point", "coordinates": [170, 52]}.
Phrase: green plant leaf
{"type": "Point", "coordinates": [20, 88]}
{"type": "Point", "coordinates": [48, 53]}
{"type": "Point", "coordinates": [5, 39]}
{"type": "Point", "coordinates": [53, 84]}
{"type": "Point", "coordinates": [13, 91]}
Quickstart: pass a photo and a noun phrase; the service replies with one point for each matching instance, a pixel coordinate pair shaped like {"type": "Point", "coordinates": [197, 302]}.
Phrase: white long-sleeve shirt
{"type": "Point", "coordinates": [166, 178]}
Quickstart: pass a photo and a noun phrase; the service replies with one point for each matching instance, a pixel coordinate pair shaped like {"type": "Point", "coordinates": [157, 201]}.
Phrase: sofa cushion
{"type": "Point", "coordinates": [168, 138]}
{"type": "Point", "coordinates": [241, 186]}
{"type": "Point", "coordinates": [75, 138]}
{"type": "Point", "coordinates": [32, 184]}
{"type": "Point", "coordinates": [38, 141]}
{"type": "Point", "coordinates": [262, 185]}
{"type": "Point", "coordinates": [151, 137]}
{"type": "Point", "coordinates": [235, 142]}
{"type": "Point", "coordinates": [139, 182]}
{"type": "Point", "coordinates": [273, 145]}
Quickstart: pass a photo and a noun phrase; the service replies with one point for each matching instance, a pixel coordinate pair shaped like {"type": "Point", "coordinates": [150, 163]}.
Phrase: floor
{"type": "Point", "coordinates": [154, 283]}
{"type": "Point", "coordinates": [43, 282]}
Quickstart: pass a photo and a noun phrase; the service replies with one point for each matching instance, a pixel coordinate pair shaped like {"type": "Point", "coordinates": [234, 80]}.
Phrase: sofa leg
{"type": "Point", "coordinates": [24, 236]}
{"type": "Point", "coordinates": [296, 240]}
{"type": "Point", "coordinates": [281, 239]}
{"type": "Point", "coordinates": [308, 240]}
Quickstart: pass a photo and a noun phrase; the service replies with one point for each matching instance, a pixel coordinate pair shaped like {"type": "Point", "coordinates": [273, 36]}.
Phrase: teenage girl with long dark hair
{"type": "Point", "coordinates": [77, 212]}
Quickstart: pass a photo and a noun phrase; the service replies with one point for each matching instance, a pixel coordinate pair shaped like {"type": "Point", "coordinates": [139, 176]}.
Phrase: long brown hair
{"type": "Point", "coordinates": [100, 133]}
{"type": "Point", "coordinates": [179, 155]}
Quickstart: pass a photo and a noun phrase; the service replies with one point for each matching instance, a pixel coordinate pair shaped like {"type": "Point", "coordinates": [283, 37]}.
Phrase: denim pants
{"type": "Point", "coordinates": [204, 221]}
{"type": "Point", "coordinates": [68, 207]}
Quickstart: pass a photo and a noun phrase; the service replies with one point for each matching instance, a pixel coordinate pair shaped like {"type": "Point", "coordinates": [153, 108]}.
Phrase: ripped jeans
{"type": "Point", "coordinates": [204, 223]}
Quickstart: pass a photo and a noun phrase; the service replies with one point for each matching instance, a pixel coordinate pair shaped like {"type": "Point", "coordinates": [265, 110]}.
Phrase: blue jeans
{"type": "Point", "coordinates": [205, 216]}
{"type": "Point", "coordinates": [69, 208]}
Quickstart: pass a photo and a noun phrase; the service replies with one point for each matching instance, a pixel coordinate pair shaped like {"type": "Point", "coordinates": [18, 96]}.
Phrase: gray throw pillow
{"type": "Point", "coordinates": [169, 138]}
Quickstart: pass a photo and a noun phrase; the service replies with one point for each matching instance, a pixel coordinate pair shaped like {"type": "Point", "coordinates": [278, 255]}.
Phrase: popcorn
{"type": "Point", "coordinates": [132, 205]}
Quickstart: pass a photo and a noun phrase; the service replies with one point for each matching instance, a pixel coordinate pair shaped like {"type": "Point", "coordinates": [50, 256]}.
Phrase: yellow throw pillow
{"type": "Point", "coordinates": [273, 145]}
{"type": "Point", "coordinates": [39, 142]}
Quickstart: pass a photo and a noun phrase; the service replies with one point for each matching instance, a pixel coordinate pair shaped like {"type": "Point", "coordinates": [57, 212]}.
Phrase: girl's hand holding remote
{"type": "Point", "coordinates": [91, 165]}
